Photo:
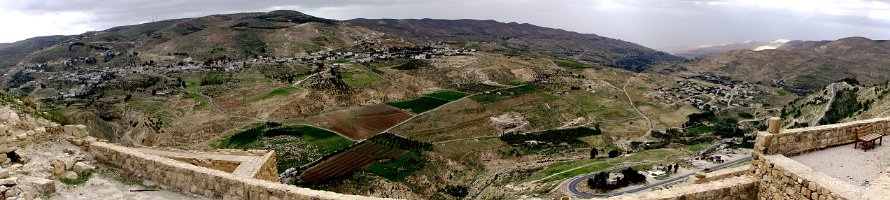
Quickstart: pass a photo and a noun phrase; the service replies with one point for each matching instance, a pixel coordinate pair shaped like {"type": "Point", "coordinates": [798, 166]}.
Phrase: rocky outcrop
{"type": "Point", "coordinates": [35, 154]}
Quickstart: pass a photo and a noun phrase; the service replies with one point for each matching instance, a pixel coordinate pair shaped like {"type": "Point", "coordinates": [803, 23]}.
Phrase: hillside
{"type": "Point", "coordinates": [839, 102]}
{"type": "Point", "coordinates": [357, 109]}
{"type": "Point", "coordinates": [692, 52]}
{"type": "Point", "coordinates": [516, 37]}
{"type": "Point", "coordinates": [12, 53]}
{"type": "Point", "coordinates": [801, 67]}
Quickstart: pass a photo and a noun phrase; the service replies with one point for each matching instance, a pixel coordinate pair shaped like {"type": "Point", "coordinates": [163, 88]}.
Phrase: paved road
{"type": "Point", "coordinates": [572, 187]}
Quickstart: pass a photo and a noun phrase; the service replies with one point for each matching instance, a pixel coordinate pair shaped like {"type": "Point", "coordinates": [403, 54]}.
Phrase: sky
{"type": "Point", "coordinates": [652, 23]}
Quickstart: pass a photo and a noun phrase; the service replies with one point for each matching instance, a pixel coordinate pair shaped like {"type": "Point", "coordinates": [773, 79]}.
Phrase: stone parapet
{"type": "Point", "coordinates": [801, 140]}
{"type": "Point", "coordinates": [783, 178]}
{"type": "Point", "coordinates": [183, 177]}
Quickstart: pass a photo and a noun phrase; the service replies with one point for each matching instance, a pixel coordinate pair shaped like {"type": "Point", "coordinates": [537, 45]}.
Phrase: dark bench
{"type": "Point", "coordinates": [867, 136]}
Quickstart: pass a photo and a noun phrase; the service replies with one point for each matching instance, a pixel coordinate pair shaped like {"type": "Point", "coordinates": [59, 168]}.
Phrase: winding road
{"type": "Point", "coordinates": [572, 187]}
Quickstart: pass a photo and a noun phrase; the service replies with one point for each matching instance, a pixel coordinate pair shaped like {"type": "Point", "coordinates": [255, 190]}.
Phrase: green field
{"type": "Point", "coordinates": [399, 169]}
{"type": "Point", "coordinates": [277, 92]}
{"type": "Point", "coordinates": [447, 95]}
{"type": "Point", "coordinates": [357, 79]}
{"type": "Point", "coordinates": [294, 145]}
{"type": "Point", "coordinates": [505, 94]}
{"type": "Point", "coordinates": [419, 105]}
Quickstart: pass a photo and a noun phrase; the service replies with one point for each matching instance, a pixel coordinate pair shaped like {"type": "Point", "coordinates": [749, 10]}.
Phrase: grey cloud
{"type": "Point", "coordinates": [654, 23]}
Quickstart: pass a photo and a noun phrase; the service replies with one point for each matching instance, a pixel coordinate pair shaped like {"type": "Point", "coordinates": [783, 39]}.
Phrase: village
{"type": "Point", "coordinates": [707, 97]}
{"type": "Point", "coordinates": [87, 75]}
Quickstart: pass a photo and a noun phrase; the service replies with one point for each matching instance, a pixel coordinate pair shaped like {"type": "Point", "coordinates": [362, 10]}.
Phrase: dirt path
{"type": "Point", "coordinates": [648, 121]}
{"type": "Point", "coordinates": [310, 76]}
{"type": "Point", "coordinates": [461, 139]}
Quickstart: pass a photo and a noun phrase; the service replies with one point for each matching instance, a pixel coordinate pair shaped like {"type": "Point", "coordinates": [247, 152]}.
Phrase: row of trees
{"type": "Point", "coordinates": [569, 136]}
{"type": "Point", "coordinates": [396, 142]}
{"type": "Point", "coordinates": [595, 152]}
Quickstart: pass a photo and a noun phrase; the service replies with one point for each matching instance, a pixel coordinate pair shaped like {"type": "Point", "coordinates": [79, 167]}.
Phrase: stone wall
{"type": "Point", "coordinates": [269, 170]}
{"type": "Point", "coordinates": [221, 165]}
{"type": "Point", "coordinates": [178, 176]}
{"type": "Point", "coordinates": [700, 177]}
{"type": "Point", "coordinates": [802, 140]}
{"type": "Point", "coordinates": [782, 178]}
{"type": "Point", "coordinates": [735, 188]}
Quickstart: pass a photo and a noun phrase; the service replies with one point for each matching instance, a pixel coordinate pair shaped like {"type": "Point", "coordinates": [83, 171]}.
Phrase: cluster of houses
{"type": "Point", "coordinates": [706, 97]}
{"type": "Point", "coordinates": [84, 78]}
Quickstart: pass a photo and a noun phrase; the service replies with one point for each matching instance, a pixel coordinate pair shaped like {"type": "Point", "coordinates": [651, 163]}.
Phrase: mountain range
{"type": "Point", "coordinates": [711, 50]}
{"type": "Point", "coordinates": [523, 38]}
{"type": "Point", "coordinates": [798, 66]}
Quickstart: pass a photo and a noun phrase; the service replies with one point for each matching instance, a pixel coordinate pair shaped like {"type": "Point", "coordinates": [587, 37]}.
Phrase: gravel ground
{"type": "Point", "coordinates": [851, 165]}
{"type": "Point", "coordinates": [105, 188]}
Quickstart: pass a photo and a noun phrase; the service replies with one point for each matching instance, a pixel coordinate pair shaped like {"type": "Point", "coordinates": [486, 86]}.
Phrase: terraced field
{"type": "Point", "coordinates": [359, 123]}
{"type": "Point", "coordinates": [382, 146]}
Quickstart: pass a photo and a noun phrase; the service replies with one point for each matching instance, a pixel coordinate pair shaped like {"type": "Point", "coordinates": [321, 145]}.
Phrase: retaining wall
{"type": "Point", "coordinates": [182, 177]}
{"type": "Point", "coordinates": [783, 178]}
{"type": "Point", "coordinates": [735, 188]}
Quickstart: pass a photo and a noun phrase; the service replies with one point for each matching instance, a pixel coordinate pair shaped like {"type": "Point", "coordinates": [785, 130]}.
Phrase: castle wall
{"type": "Point", "coordinates": [801, 140]}
{"type": "Point", "coordinates": [783, 178]}
{"type": "Point", "coordinates": [183, 177]}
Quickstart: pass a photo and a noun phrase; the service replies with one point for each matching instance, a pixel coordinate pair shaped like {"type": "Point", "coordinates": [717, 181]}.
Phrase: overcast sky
{"type": "Point", "coordinates": [653, 23]}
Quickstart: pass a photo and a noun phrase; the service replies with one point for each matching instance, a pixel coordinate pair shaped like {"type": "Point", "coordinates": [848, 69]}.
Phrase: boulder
{"type": "Point", "coordinates": [5, 173]}
{"type": "Point", "coordinates": [57, 168]}
{"type": "Point", "coordinates": [70, 175]}
{"type": "Point", "coordinates": [69, 164]}
{"type": "Point", "coordinates": [9, 181]}
{"type": "Point", "coordinates": [79, 130]}
{"type": "Point", "coordinates": [83, 168]}
{"type": "Point", "coordinates": [42, 185]}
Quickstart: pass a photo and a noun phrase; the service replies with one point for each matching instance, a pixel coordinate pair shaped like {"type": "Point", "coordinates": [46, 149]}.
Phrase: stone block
{"type": "Point", "coordinates": [9, 182]}
{"type": "Point", "coordinates": [70, 175]}
{"type": "Point", "coordinates": [42, 185]}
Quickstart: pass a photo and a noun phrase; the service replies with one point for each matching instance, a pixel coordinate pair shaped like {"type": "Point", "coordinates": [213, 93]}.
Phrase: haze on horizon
{"type": "Point", "coordinates": [652, 23]}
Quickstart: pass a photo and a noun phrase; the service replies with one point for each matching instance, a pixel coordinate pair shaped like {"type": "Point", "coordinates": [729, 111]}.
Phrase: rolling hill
{"type": "Point", "coordinates": [12, 53]}
{"type": "Point", "coordinates": [838, 102]}
{"type": "Point", "coordinates": [516, 37]}
{"type": "Point", "coordinates": [801, 67]}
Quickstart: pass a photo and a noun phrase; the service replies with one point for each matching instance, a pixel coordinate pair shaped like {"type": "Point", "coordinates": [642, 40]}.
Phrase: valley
{"type": "Point", "coordinates": [454, 109]}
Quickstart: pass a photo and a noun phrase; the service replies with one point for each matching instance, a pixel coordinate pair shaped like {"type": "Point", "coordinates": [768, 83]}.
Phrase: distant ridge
{"type": "Point", "coordinates": [523, 37]}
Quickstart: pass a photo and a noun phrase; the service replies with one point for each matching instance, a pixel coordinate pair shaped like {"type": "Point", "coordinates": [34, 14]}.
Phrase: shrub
{"type": "Point", "coordinates": [614, 153]}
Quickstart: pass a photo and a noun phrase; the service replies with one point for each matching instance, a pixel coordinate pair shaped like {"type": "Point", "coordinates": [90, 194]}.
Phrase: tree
{"type": "Point", "coordinates": [598, 181]}
{"type": "Point", "coordinates": [614, 153]}
{"type": "Point", "coordinates": [631, 176]}
{"type": "Point", "coordinates": [593, 153]}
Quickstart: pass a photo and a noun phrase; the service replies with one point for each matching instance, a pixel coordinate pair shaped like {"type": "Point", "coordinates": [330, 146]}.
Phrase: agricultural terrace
{"type": "Point", "coordinates": [428, 101]}
{"type": "Point", "coordinates": [294, 146]}
{"type": "Point", "coordinates": [385, 155]}
{"type": "Point", "coordinates": [360, 122]}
